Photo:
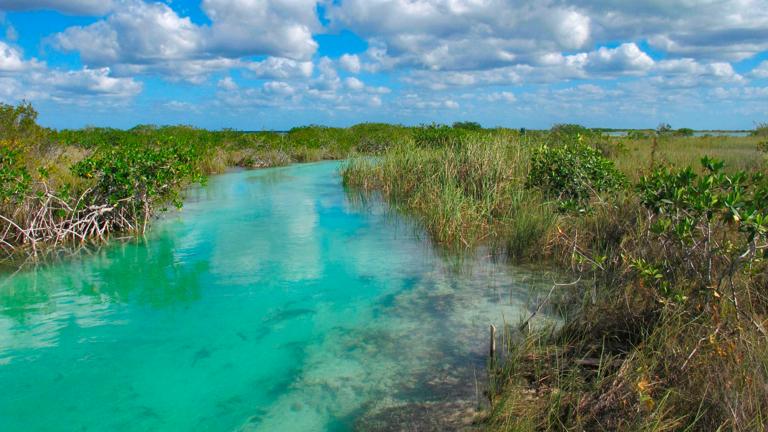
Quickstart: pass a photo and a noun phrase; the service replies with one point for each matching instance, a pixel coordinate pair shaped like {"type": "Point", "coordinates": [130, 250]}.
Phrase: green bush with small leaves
{"type": "Point", "coordinates": [14, 178]}
{"type": "Point", "coordinates": [141, 173]}
{"type": "Point", "coordinates": [438, 136]}
{"type": "Point", "coordinates": [18, 124]}
{"type": "Point", "coordinates": [568, 129]}
{"type": "Point", "coordinates": [705, 227]}
{"type": "Point", "coordinates": [573, 173]}
{"type": "Point", "coordinates": [468, 125]}
{"type": "Point", "coordinates": [664, 129]}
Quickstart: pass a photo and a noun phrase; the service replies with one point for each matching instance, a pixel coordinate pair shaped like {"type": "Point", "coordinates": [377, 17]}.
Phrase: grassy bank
{"type": "Point", "coordinates": [669, 331]}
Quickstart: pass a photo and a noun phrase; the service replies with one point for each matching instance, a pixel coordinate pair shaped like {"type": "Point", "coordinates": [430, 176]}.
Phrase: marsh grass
{"type": "Point", "coordinates": [673, 374]}
{"type": "Point", "coordinates": [630, 355]}
{"type": "Point", "coordinates": [636, 157]}
{"type": "Point", "coordinates": [463, 195]}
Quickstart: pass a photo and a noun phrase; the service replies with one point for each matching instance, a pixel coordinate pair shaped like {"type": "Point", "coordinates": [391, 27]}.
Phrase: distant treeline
{"type": "Point", "coordinates": [74, 186]}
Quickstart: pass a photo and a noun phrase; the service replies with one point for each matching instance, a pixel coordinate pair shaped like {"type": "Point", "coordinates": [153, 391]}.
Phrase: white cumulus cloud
{"type": "Point", "coordinates": [354, 84]}
{"type": "Point", "coordinates": [350, 63]}
{"type": "Point", "coordinates": [11, 59]}
{"type": "Point", "coordinates": [136, 33]}
{"type": "Point", "coordinates": [280, 28]}
{"type": "Point", "coordinates": [281, 68]}
{"type": "Point", "coordinates": [761, 71]}
{"type": "Point", "coordinates": [89, 82]}
{"type": "Point", "coordinates": [626, 58]}
{"type": "Point", "coordinates": [151, 37]}
{"type": "Point", "coordinates": [73, 7]}
{"type": "Point", "coordinates": [503, 96]}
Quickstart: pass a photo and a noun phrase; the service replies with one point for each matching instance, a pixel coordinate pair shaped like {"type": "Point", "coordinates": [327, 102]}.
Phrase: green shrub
{"type": "Point", "coordinates": [704, 228]}
{"type": "Point", "coordinates": [437, 136]}
{"type": "Point", "coordinates": [684, 132]}
{"type": "Point", "coordinates": [468, 125]}
{"type": "Point", "coordinates": [319, 136]}
{"type": "Point", "coordinates": [375, 138]}
{"type": "Point", "coordinates": [141, 173]}
{"type": "Point", "coordinates": [664, 129]}
{"type": "Point", "coordinates": [18, 123]}
{"type": "Point", "coordinates": [569, 130]}
{"type": "Point", "coordinates": [14, 178]}
{"type": "Point", "coordinates": [89, 138]}
{"type": "Point", "coordinates": [572, 173]}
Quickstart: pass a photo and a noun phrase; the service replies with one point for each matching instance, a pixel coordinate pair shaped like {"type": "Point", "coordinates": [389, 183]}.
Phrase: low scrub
{"type": "Point", "coordinates": [664, 324]}
{"type": "Point", "coordinates": [704, 229]}
{"type": "Point", "coordinates": [573, 174]}
{"type": "Point", "coordinates": [671, 335]}
{"type": "Point", "coordinates": [133, 178]}
{"type": "Point", "coordinates": [439, 136]}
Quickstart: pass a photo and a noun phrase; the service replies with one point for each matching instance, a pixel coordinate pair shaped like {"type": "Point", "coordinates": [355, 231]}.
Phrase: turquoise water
{"type": "Point", "coordinates": [270, 302]}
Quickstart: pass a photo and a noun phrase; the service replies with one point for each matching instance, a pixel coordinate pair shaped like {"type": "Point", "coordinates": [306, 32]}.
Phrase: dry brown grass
{"type": "Point", "coordinates": [635, 157]}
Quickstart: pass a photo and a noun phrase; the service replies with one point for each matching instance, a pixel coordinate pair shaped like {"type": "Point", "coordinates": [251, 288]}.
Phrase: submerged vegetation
{"type": "Point", "coordinates": [667, 239]}
{"type": "Point", "coordinates": [666, 235]}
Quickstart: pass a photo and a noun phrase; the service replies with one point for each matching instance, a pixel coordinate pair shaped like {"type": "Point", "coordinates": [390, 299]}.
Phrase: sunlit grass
{"type": "Point", "coordinates": [635, 157]}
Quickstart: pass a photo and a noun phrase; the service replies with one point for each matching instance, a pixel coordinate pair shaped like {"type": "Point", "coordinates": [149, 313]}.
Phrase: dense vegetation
{"type": "Point", "coordinates": [70, 187]}
{"type": "Point", "coordinates": [666, 236]}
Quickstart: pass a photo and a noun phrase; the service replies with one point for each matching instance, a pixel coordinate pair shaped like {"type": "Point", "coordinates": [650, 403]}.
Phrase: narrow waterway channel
{"type": "Point", "coordinates": [270, 302]}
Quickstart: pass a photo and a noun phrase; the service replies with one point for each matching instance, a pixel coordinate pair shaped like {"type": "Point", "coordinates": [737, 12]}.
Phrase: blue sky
{"type": "Point", "coordinates": [274, 64]}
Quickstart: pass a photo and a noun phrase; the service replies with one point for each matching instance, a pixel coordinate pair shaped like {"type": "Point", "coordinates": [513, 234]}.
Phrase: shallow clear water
{"type": "Point", "coordinates": [271, 302]}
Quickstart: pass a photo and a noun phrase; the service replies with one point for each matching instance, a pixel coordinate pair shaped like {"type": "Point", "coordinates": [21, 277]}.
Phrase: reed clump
{"type": "Point", "coordinates": [464, 193]}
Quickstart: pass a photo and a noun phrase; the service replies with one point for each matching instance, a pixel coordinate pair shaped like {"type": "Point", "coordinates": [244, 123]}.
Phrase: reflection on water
{"type": "Point", "coordinates": [271, 302]}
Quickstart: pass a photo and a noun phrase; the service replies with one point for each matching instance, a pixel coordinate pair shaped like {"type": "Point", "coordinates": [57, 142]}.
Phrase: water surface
{"type": "Point", "coordinates": [271, 302]}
